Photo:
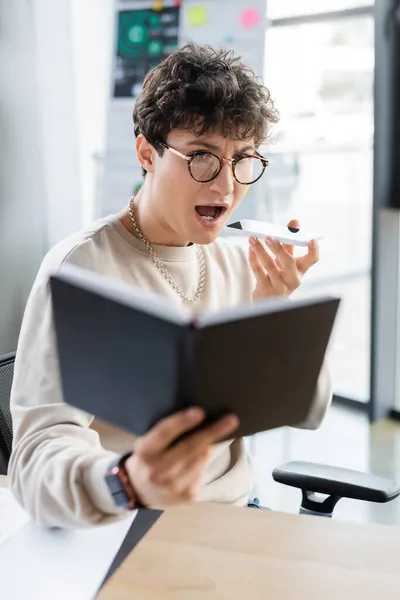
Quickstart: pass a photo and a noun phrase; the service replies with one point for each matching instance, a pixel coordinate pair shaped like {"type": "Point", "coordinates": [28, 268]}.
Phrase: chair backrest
{"type": "Point", "coordinates": [6, 377]}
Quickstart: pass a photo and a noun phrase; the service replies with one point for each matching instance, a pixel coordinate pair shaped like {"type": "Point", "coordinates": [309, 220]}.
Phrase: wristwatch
{"type": "Point", "coordinates": [118, 482]}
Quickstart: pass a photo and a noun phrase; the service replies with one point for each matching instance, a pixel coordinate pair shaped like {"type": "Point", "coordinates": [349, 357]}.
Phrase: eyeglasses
{"type": "Point", "coordinates": [205, 166]}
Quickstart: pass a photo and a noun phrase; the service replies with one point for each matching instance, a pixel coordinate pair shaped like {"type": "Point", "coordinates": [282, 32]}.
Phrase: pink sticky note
{"type": "Point", "coordinates": [250, 17]}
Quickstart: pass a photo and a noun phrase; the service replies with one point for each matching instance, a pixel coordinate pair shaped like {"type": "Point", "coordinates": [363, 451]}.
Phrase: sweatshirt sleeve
{"type": "Point", "coordinates": [57, 465]}
{"type": "Point", "coordinates": [321, 402]}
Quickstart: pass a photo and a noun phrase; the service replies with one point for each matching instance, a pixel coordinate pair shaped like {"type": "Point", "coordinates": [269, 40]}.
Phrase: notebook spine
{"type": "Point", "coordinates": [187, 395]}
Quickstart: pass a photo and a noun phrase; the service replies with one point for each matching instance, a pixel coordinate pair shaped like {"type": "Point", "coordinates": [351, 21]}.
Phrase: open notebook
{"type": "Point", "coordinates": [130, 358]}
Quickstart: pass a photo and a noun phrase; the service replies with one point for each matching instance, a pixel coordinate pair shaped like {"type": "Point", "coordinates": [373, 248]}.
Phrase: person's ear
{"type": "Point", "coordinates": [145, 153]}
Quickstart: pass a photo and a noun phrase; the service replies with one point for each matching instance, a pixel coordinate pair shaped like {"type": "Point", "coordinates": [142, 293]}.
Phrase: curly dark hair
{"type": "Point", "coordinates": [201, 89]}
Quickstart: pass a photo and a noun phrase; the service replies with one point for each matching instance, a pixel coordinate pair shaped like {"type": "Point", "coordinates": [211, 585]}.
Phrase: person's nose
{"type": "Point", "coordinates": [224, 182]}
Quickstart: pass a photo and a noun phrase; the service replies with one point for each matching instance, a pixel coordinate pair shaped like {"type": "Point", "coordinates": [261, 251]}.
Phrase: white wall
{"type": "Point", "coordinates": [74, 51]}
{"type": "Point", "coordinates": [92, 24]}
{"type": "Point", "coordinates": [22, 183]}
{"type": "Point", "coordinates": [57, 116]}
{"type": "Point", "coordinates": [54, 80]}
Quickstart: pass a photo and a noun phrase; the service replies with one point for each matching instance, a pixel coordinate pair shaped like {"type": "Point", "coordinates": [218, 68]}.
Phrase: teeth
{"type": "Point", "coordinates": [208, 218]}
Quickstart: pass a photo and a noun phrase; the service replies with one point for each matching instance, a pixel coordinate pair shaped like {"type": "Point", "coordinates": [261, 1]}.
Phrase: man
{"type": "Point", "coordinates": [199, 121]}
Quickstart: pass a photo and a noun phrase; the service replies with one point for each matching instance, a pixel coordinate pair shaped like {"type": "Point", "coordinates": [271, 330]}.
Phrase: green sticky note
{"type": "Point", "coordinates": [197, 15]}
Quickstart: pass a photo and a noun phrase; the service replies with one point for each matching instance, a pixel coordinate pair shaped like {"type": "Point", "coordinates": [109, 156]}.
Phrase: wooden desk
{"type": "Point", "coordinates": [213, 552]}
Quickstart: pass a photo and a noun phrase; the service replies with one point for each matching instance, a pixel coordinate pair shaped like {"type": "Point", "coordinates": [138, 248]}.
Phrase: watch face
{"type": "Point", "coordinates": [119, 485]}
{"type": "Point", "coordinates": [118, 493]}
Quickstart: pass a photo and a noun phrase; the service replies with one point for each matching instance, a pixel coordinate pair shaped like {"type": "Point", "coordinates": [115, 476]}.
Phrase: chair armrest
{"type": "Point", "coordinates": [335, 481]}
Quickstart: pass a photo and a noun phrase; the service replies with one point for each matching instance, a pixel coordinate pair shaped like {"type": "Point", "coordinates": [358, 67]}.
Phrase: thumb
{"type": "Point", "coordinates": [295, 224]}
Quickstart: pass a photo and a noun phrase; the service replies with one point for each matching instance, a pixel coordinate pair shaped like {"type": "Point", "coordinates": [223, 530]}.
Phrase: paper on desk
{"type": "Point", "coordinates": [12, 516]}
{"type": "Point", "coordinates": [63, 564]}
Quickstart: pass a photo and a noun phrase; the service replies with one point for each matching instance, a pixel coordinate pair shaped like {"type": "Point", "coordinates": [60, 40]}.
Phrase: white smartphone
{"type": "Point", "coordinates": [248, 227]}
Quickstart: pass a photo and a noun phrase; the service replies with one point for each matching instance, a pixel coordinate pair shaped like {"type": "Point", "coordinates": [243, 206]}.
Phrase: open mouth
{"type": "Point", "coordinates": [210, 213]}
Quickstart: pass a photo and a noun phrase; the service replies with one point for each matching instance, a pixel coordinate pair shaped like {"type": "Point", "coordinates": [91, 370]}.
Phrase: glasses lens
{"type": "Point", "coordinates": [204, 166]}
{"type": "Point", "coordinates": [248, 169]}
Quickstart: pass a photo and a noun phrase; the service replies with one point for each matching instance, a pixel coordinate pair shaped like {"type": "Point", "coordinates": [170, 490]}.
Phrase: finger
{"type": "Point", "coordinates": [293, 224]}
{"type": "Point", "coordinates": [216, 432]}
{"type": "Point", "coordinates": [311, 258]}
{"type": "Point", "coordinates": [161, 436]}
{"type": "Point", "coordinates": [266, 260]}
{"type": "Point", "coordinates": [281, 254]}
{"type": "Point", "coordinates": [174, 465]}
{"type": "Point", "coordinates": [263, 281]}
{"type": "Point", "coordinates": [256, 266]}
{"type": "Point", "coordinates": [290, 274]}
{"type": "Point", "coordinates": [195, 447]}
{"type": "Point", "coordinates": [184, 486]}
{"type": "Point", "coordinates": [190, 479]}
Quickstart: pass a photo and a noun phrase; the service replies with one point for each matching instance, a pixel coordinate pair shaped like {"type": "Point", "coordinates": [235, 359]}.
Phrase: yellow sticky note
{"type": "Point", "coordinates": [197, 15]}
{"type": "Point", "coordinates": [158, 5]}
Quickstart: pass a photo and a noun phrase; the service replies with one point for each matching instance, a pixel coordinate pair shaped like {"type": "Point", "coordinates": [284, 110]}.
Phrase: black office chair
{"type": "Point", "coordinates": [334, 483]}
{"type": "Point", "coordinates": [6, 377]}
{"type": "Point", "coordinates": [311, 478]}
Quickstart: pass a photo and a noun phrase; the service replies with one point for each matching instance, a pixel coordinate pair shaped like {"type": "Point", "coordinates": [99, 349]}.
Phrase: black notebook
{"type": "Point", "coordinates": [130, 358]}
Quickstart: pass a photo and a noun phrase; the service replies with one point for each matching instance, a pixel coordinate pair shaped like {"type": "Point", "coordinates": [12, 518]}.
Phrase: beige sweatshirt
{"type": "Point", "coordinates": [58, 463]}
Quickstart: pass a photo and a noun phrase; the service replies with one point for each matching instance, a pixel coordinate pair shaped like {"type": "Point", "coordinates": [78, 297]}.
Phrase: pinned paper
{"type": "Point", "coordinates": [197, 15]}
{"type": "Point", "coordinates": [158, 5]}
{"type": "Point", "coordinates": [250, 17]}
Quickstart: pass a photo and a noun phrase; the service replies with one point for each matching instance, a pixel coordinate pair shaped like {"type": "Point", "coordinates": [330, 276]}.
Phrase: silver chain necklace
{"type": "Point", "coordinates": [162, 268]}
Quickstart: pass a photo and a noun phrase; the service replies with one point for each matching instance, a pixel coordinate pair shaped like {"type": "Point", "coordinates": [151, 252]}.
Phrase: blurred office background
{"type": "Point", "coordinates": [69, 74]}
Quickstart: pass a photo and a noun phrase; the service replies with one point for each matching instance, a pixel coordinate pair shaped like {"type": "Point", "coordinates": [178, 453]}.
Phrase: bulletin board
{"type": "Point", "coordinates": [144, 38]}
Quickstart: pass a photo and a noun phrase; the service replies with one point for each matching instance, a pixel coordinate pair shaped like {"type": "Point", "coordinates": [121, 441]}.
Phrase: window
{"type": "Point", "coordinates": [280, 9]}
{"type": "Point", "coordinates": [320, 74]}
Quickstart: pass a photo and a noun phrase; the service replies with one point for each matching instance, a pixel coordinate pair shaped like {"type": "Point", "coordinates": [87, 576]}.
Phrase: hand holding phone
{"type": "Point", "coordinates": [276, 269]}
